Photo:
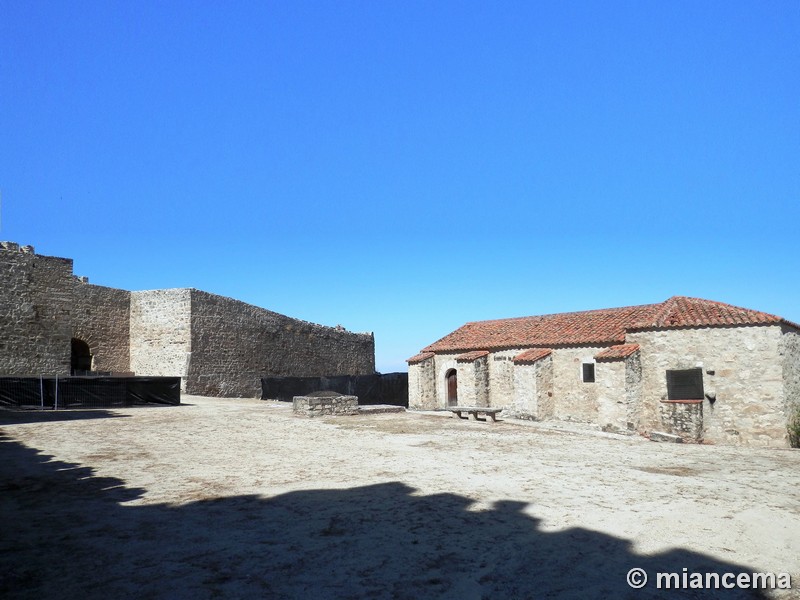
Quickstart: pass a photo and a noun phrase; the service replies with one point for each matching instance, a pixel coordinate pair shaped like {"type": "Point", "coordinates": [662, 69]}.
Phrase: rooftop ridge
{"type": "Point", "coordinates": [603, 326]}
{"type": "Point", "coordinates": [672, 312]}
{"type": "Point", "coordinates": [574, 312]}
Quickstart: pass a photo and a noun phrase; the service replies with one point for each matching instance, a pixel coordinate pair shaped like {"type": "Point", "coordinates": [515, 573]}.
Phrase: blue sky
{"type": "Point", "coordinates": [406, 167]}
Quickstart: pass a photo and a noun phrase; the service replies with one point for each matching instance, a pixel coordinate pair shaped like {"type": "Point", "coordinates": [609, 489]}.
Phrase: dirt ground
{"type": "Point", "coordinates": [238, 498]}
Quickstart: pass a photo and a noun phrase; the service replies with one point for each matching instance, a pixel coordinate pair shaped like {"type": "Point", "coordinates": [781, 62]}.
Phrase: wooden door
{"type": "Point", "coordinates": [452, 388]}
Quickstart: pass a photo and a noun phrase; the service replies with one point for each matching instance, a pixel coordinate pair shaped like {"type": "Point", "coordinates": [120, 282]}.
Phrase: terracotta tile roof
{"type": "Point", "coordinates": [470, 356]}
{"type": "Point", "coordinates": [604, 326]}
{"type": "Point", "coordinates": [418, 358]}
{"type": "Point", "coordinates": [594, 326]}
{"type": "Point", "coordinates": [531, 356]}
{"type": "Point", "coordinates": [680, 311]}
{"type": "Point", "coordinates": [617, 352]}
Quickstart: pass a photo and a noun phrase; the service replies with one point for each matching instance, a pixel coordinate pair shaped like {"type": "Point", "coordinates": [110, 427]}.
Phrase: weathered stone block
{"type": "Point", "coordinates": [313, 406]}
{"type": "Point", "coordinates": [660, 436]}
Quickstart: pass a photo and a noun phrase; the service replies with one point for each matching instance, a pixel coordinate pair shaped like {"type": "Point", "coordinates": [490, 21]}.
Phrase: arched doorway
{"type": "Point", "coordinates": [451, 377]}
{"type": "Point", "coordinates": [81, 361]}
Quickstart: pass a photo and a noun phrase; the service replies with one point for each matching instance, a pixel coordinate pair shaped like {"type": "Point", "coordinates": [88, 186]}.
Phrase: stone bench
{"type": "Point", "coordinates": [475, 411]}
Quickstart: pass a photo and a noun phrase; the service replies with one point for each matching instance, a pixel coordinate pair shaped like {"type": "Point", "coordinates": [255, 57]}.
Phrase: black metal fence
{"type": "Point", "coordinates": [52, 392]}
{"type": "Point", "coordinates": [388, 388]}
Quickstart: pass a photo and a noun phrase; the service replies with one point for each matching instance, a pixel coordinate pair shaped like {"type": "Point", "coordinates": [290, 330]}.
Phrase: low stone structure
{"type": "Point", "coordinates": [325, 404]}
{"type": "Point", "coordinates": [684, 418]}
{"type": "Point", "coordinates": [379, 409]}
{"type": "Point", "coordinates": [54, 323]}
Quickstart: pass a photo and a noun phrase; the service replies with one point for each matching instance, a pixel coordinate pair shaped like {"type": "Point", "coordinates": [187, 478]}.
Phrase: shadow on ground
{"type": "Point", "coordinates": [69, 534]}
{"type": "Point", "coordinates": [16, 417]}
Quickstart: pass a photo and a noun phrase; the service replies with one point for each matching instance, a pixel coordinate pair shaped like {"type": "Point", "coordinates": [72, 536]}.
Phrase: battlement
{"type": "Point", "coordinates": [15, 247]}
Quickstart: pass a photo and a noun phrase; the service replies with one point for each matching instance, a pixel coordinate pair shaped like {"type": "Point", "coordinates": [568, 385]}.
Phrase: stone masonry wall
{"type": "Point", "coordinates": [217, 345]}
{"type": "Point", "coordinates": [443, 363]}
{"type": "Point", "coordinates": [101, 318]}
{"type": "Point", "coordinates": [160, 333]}
{"type": "Point", "coordinates": [473, 382]}
{"type": "Point", "coordinates": [633, 390]}
{"type": "Point", "coordinates": [682, 418]}
{"type": "Point", "coordinates": [525, 401]}
{"type": "Point", "coordinates": [36, 303]}
{"type": "Point", "coordinates": [612, 409]}
{"type": "Point", "coordinates": [561, 390]}
{"type": "Point", "coordinates": [482, 381]}
{"type": "Point", "coordinates": [501, 377]}
{"type": "Point", "coordinates": [317, 406]}
{"type": "Point", "coordinates": [533, 390]}
{"type": "Point", "coordinates": [422, 385]}
{"type": "Point", "coordinates": [790, 350]}
{"type": "Point", "coordinates": [574, 399]}
{"type": "Point", "coordinates": [742, 369]}
{"type": "Point", "coordinates": [544, 388]}
{"type": "Point", "coordinates": [465, 384]}
{"type": "Point", "coordinates": [234, 344]}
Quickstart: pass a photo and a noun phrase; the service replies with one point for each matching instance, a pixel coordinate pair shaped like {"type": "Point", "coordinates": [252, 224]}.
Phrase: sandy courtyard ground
{"type": "Point", "coordinates": [238, 498]}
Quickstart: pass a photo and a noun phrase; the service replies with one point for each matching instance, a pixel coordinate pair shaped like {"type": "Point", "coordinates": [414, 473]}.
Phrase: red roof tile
{"type": "Point", "coordinates": [604, 326]}
{"type": "Point", "coordinates": [470, 356]}
{"type": "Point", "coordinates": [680, 311]}
{"type": "Point", "coordinates": [594, 326]}
{"type": "Point", "coordinates": [531, 356]}
{"type": "Point", "coordinates": [617, 352]}
{"type": "Point", "coordinates": [418, 358]}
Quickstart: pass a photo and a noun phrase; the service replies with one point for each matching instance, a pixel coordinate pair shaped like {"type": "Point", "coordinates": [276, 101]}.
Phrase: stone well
{"type": "Point", "coordinates": [325, 403]}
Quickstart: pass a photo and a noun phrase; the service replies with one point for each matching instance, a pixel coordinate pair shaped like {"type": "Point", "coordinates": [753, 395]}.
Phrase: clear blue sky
{"type": "Point", "coordinates": [405, 167]}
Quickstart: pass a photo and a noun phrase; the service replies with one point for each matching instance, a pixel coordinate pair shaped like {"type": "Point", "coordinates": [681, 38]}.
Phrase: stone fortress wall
{"type": "Point", "coordinates": [217, 345]}
{"type": "Point", "coordinates": [36, 304]}
{"type": "Point", "coordinates": [101, 317]}
{"type": "Point", "coordinates": [233, 342]}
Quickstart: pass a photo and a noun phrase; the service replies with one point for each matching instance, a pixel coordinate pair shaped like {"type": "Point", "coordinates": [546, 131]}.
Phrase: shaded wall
{"type": "Point", "coordinates": [790, 350]}
{"type": "Point", "coordinates": [389, 388]}
{"type": "Point", "coordinates": [102, 318]}
{"type": "Point", "coordinates": [234, 345]}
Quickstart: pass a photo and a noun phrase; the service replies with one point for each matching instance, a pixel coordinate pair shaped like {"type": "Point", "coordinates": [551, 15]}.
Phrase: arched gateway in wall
{"type": "Point", "coordinates": [81, 357]}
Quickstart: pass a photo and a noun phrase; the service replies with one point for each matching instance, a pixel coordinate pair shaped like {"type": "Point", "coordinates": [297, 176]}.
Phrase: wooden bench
{"type": "Point", "coordinates": [475, 411]}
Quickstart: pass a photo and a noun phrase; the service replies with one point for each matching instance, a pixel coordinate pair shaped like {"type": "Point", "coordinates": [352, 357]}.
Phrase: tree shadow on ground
{"type": "Point", "coordinates": [69, 534]}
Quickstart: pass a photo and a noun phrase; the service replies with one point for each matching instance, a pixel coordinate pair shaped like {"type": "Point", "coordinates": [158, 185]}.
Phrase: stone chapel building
{"type": "Point", "coordinates": [704, 370]}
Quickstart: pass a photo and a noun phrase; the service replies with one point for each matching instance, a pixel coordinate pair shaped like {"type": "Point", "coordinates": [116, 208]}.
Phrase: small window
{"type": "Point", "coordinates": [588, 372]}
{"type": "Point", "coordinates": [685, 384]}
